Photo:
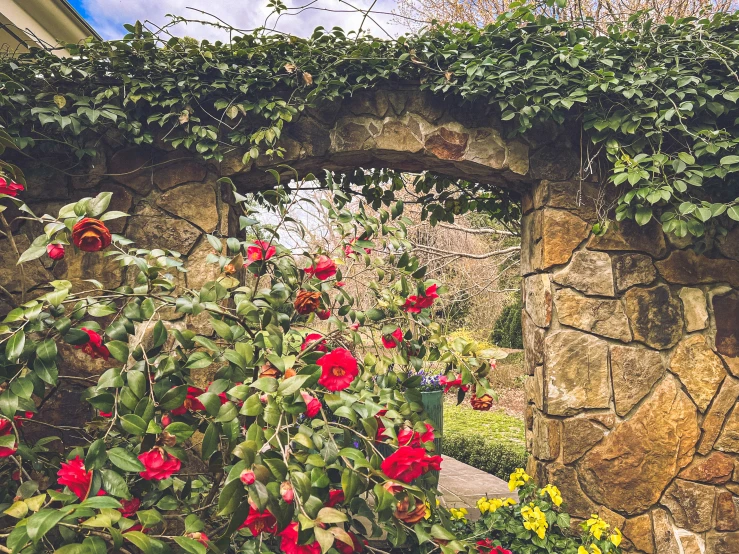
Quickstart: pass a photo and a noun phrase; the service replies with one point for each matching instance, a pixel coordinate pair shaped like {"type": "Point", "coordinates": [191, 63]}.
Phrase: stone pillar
{"type": "Point", "coordinates": [632, 350]}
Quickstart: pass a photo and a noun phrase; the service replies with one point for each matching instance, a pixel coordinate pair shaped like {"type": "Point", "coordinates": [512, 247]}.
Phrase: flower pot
{"type": "Point", "coordinates": [433, 404]}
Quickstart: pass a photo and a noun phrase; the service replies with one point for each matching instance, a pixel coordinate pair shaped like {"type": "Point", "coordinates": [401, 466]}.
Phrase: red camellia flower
{"type": "Point", "coordinates": [191, 402]}
{"type": "Point", "coordinates": [74, 475]}
{"type": "Point", "coordinates": [287, 492]}
{"type": "Point", "coordinates": [394, 339]}
{"type": "Point", "coordinates": [94, 346]}
{"type": "Point", "coordinates": [106, 414]}
{"type": "Point", "coordinates": [340, 284]}
{"type": "Point", "coordinates": [414, 304]}
{"type": "Point", "coordinates": [345, 548]}
{"type": "Point", "coordinates": [312, 404]}
{"type": "Point", "coordinates": [5, 429]}
{"type": "Point", "coordinates": [55, 251]}
{"type": "Point", "coordinates": [247, 477]}
{"type": "Point", "coordinates": [310, 339]}
{"type": "Point", "coordinates": [485, 546]}
{"type": "Point", "coordinates": [447, 383]}
{"type": "Point", "coordinates": [289, 543]}
{"type": "Point", "coordinates": [166, 420]}
{"type": "Point", "coordinates": [354, 326]}
{"type": "Point", "coordinates": [90, 235]}
{"type": "Point", "coordinates": [202, 538]}
{"type": "Point", "coordinates": [338, 369]}
{"type": "Point", "coordinates": [409, 437]}
{"type": "Point", "coordinates": [408, 463]}
{"type": "Point", "coordinates": [129, 507]}
{"type": "Point", "coordinates": [159, 465]}
{"type": "Point", "coordinates": [322, 269]}
{"type": "Point", "coordinates": [335, 496]}
{"type": "Point", "coordinates": [323, 314]}
{"type": "Point", "coordinates": [262, 251]}
{"type": "Point", "coordinates": [10, 188]}
{"type": "Point", "coordinates": [349, 249]}
{"type": "Point", "coordinates": [258, 522]}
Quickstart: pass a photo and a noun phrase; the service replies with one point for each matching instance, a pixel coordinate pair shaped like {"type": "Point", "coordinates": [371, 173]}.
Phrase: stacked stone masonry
{"type": "Point", "coordinates": [631, 338]}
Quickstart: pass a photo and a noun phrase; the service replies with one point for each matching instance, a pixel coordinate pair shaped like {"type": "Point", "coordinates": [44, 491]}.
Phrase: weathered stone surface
{"type": "Point", "coordinates": [727, 517]}
{"type": "Point", "coordinates": [546, 435]}
{"type": "Point", "coordinates": [133, 167]}
{"type": "Point", "coordinates": [722, 543]}
{"type": "Point", "coordinates": [686, 267]}
{"type": "Point", "coordinates": [598, 316]}
{"type": "Point", "coordinates": [699, 368]}
{"type": "Point", "coordinates": [715, 469]}
{"type": "Point", "coordinates": [369, 103]}
{"type": "Point", "coordinates": [639, 531]}
{"type": "Point", "coordinates": [694, 307]}
{"type": "Point", "coordinates": [578, 436]}
{"type": "Point", "coordinates": [634, 371]}
{"type": "Point", "coordinates": [232, 163]}
{"type": "Point", "coordinates": [533, 343]}
{"type": "Point", "coordinates": [576, 367]}
{"type": "Point", "coordinates": [729, 245]}
{"type": "Point", "coordinates": [91, 172]}
{"type": "Point", "coordinates": [551, 163]}
{"type": "Point", "coordinates": [121, 201]}
{"type": "Point", "coordinates": [397, 136]}
{"type": "Point", "coordinates": [562, 232]}
{"type": "Point", "coordinates": [194, 202]}
{"type": "Point", "coordinates": [633, 269]}
{"type": "Point", "coordinates": [487, 148]}
{"type": "Point", "coordinates": [532, 246]}
{"type": "Point", "coordinates": [533, 388]}
{"type": "Point", "coordinates": [10, 275]}
{"type": "Point", "coordinates": [178, 169]}
{"type": "Point", "coordinates": [728, 441]}
{"type": "Point", "coordinates": [350, 135]}
{"type": "Point", "coordinates": [691, 504]}
{"type": "Point", "coordinates": [664, 535]}
{"type": "Point", "coordinates": [588, 272]}
{"type": "Point", "coordinates": [631, 467]}
{"type": "Point", "coordinates": [690, 544]}
{"type": "Point", "coordinates": [150, 228]}
{"type": "Point", "coordinates": [726, 314]}
{"type": "Point", "coordinates": [447, 144]}
{"type": "Point", "coordinates": [579, 197]}
{"type": "Point", "coordinates": [628, 235]}
{"type": "Point", "coordinates": [714, 419]}
{"type": "Point", "coordinates": [538, 298]}
{"type": "Point", "coordinates": [655, 315]}
{"type": "Point", "coordinates": [575, 500]}
{"type": "Point", "coordinates": [517, 157]}
{"type": "Point", "coordinates": [199, 271]}
{"type": "Point", "coordinates": [78, 265]}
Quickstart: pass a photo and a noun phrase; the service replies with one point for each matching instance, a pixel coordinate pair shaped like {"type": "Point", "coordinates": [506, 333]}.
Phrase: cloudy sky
{"type": "Point", "coordinates": [108, 16]}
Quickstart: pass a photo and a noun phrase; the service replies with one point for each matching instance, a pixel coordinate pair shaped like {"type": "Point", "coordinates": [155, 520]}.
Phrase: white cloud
{"type": "Point", "coordinates": [108, 16]}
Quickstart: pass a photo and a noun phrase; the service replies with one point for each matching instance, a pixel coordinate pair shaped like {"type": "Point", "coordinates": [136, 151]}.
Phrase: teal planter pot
{"type": "Point", "coordinates": [433, 405]}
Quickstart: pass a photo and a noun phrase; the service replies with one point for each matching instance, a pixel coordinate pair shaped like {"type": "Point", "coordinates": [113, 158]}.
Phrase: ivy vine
{"type": "Point", "coordinates": [658, 102]}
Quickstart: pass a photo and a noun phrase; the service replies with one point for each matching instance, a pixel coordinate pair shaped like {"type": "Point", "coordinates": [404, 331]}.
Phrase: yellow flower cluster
{"type": "Point", "coordinates": [596, 526]}
{"type": "Point", "coordinates": [534, 520]}
{"type": "Point", "coordinates": [518, 479]}
{"type": "Point", "coordinates": [554, 494]}
{"type": "Point", "coordinates": [491, 504]}
{"type": "Point", "coordinates": [428, 509]}
{"type": "Point", "coordinates": [593, 550]}
{"type": "Point", "coordinates": [459, 513]}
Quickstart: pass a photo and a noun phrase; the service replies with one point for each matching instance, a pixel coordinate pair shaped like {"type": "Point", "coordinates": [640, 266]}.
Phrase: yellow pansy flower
{"type": "Point", "coordinates": [554, 494]}
{"type": "Point", "coordinates": [518, 479]}
{"type": "Point", "coordinates": [459, 513]}
{"type": "Point", "coordinates": [596, 526]}
{"type": "Point", "coordinates": [582, 550]}
{"type": "Point", "coordinates": [595, 550]}
{"type": "Point", "coordinates": [616, 537]}
{"type": "Point", "coordinates": [534, 520]}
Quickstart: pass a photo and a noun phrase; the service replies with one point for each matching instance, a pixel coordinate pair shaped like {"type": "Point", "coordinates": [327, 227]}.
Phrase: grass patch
{"type": "Point", "coordinates": [491, 441]}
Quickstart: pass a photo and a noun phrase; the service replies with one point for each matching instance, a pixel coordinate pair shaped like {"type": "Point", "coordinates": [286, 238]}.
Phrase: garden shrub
{"type": "Point", "coordinates": [497, 458]}
{"type": "Point", "coordinates": [507, 330]}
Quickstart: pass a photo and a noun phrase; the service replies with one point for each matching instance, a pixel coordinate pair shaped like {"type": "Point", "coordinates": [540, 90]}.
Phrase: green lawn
{"type": "Point", "coordinates": [495, 426]}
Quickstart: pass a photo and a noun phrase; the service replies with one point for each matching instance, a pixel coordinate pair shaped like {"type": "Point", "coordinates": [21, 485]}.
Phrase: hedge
{"type": "Point", "coordinates": [498, 458]}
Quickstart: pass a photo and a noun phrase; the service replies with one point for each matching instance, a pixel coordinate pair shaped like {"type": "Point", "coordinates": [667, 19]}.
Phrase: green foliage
{"type": "Point", "coordinates": [657, 101]}
{"type": "Point", "coordinates": [507, 332]}
{"type": "Point", "coordinates": [476, 450]}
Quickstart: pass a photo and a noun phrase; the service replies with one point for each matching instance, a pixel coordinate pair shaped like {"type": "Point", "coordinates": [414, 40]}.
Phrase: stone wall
{"type": "Point", "coordinates": [632, 351]}
{"type": "Point", "coordinates": [631, 339]}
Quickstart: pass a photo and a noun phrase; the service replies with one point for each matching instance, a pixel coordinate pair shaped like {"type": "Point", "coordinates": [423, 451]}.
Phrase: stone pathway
{"type": "Point", "coordinates": [463, 485]}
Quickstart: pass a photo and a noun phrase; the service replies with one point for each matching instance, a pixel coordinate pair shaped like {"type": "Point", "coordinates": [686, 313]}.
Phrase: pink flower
{"type": "Point", "coordinates": [55, 251]}
{"type": "Point", "coordinates": [159, 465]}
{"type": "Point", "coordinates": [74, 475]}
{"type": "Point", "coordinates": [287, 492]}
{"type": "Point", "coordinates": [335, 496]}
{"type": "Point", "coordinates": [289, 543]}
{"type": "Point", "coordinates": [414, 304]}
{"type": "Point", "coordinates": [247, 477]}
{"type": "Point", "coordinates": [94, 346]}
{"type": "Point", "coordinates": [10, 188]}
{"type": "Point", "coordinates": [408, 463]}
{"type": "Point", "coordinates": [322, 269]}
{"type": "Point", "coordinates": [447, 383]}
{"type": "Point", "coordinates": [314, 338]}
{"type": "Point", "coordinates": [262, 251]}
{"type": "Point", "coordinates": [354, 326]}
{"type": "Point", "coordinates": [409, 437]}
{"type": "Point", "coordinates": [338, 369]}
{"type": "Point", "coordinates": [312, 404]}
{"type": "Point", "coordinates": [340, 284]}
{"type": "Point", "coordinates": [349, 249]}
{"type": "Point", "coordinates": [394, 339]}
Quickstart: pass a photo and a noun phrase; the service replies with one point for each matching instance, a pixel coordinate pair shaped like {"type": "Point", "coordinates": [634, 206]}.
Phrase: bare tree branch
{"type": "Point", "coordinates": [446, 254]}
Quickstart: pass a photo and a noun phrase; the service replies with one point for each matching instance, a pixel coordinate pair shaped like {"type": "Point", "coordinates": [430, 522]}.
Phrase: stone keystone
{"type": "Point", "coordinates": [632, 466]}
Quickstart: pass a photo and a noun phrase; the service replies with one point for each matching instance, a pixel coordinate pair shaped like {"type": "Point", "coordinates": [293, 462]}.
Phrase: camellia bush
{"type": "Point", "coordinates": [260, 431]}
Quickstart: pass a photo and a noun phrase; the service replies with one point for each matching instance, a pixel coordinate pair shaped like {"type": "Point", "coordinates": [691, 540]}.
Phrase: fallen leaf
{"type": "Point", "coordinates": [290, 67]}
{"type": "Point", "coordinates": [307, 78]}
{"type": "Point", "coordinates": [60, 101]}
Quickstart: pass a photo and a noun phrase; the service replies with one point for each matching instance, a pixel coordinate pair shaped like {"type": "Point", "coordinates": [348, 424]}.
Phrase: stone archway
{"type": "Point", "coordinates": [631, 338]}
